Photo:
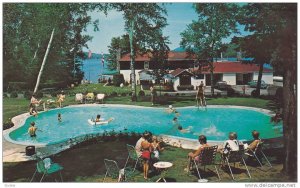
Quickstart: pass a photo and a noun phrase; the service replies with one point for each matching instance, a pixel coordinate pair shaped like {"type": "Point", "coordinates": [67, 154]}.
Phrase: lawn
{"type": "Point", "coordinates": [16, 106]}
{"type": "Point", "coordinates": [87, 165]}
{"type": "Point", "coordinates": [87, 160]}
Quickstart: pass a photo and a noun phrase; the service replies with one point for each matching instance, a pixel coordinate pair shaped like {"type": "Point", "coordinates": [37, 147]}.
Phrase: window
{"type": "Point", "coordinates": [199, 76]}
{"type": "Point", "coordinates": [146, 65]}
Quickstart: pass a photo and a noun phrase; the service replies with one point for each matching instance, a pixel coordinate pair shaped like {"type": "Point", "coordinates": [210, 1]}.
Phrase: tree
{"type": "Point", "coordinates": [203, 37]}
{"type": "Point", "coordinates": [118, 47]}
{"type": "Point", "coordinates": [258, 19]}
{"type": "Point", "coordinates": [274, 39]}
{"type": "Point", "coordinates": [143, 21]}
{"type": "Point", "coordinates": [284, 57]}
{"type": "Point", "coordinates": [26, 28]}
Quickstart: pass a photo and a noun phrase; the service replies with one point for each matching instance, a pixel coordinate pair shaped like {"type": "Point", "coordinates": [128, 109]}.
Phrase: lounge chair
{"type": "Point", "coordinates": [90, 97]}
{"type": "Point", "coordinates": [113, 170]}
{"type": "Point", "coordinates": [257, 151]}
{"type": "Point", "coordinates": [236, 157]}
{"type": "Point", "coordinates": [207, 157]}
{"type": "Point", "coordinates": [46, 167]}
{"type": "Point", "coordinates": [100, 97]}
{"type": "Point", "coordinates": [79, 97]}
{"type": "Point", "coordinates": [133, 156]}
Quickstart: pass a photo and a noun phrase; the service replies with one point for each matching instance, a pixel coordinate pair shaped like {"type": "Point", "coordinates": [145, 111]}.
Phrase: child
{"type": "Point", "coordinates": [98, 118]}
{"type": "Point", "coordinates": [156, 147]}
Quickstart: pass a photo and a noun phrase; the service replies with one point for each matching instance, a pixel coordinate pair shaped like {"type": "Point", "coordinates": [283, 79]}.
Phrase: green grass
{"type": "Point", "coordinates": [13, 107]}
{"type": "Point", "coordinates": [87, 166]}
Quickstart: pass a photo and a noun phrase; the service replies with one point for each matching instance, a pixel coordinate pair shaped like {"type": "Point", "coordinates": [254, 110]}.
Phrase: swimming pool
{"type": "Point", "coordinates": [215, 122]}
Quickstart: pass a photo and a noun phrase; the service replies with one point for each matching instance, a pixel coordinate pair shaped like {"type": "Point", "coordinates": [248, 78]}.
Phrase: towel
{"type": "Point", "coordinates": [47, 163]}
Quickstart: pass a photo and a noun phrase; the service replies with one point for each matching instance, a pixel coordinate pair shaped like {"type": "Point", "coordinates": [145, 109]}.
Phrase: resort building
{"type": "Point", "coordinates": [184, 73]}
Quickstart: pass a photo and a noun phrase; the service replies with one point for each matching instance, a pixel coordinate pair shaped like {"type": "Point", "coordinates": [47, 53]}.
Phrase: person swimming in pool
{"type": "Point", "coordinates": [59, 118]}
{"type": "Point", "coordinates": [32, 130]}
{"type": "Point", "coordinates": [181, 129]}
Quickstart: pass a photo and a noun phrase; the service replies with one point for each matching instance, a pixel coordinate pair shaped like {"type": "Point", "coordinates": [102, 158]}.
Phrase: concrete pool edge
{"type": "Point", "coordinates": [63, 145]}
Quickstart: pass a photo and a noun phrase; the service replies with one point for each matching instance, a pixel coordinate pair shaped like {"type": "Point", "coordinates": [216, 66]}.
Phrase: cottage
{"type": "Point", "coordinates": [183, 71]}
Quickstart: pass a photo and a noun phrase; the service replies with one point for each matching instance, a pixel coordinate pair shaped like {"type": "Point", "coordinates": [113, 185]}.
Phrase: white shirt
{"type": "Point", "coordinates": [231, 145]}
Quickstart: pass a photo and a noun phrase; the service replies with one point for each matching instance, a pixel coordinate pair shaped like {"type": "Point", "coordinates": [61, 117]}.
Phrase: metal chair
{"type": "Point", "coordinates": [258, 150]}
{"type": "Point", "coordinates": [207, 157]}
{"type": "Point", "coordinates": [46, 169]}
{"type": "Point", "coordinates": [132, 155]}
{"type": "Point", "coordinates": [100, 97]}
{"type": "Point", "coordinates": [236, 157]}
{"type": "Point", "coordinates": [113, 170]}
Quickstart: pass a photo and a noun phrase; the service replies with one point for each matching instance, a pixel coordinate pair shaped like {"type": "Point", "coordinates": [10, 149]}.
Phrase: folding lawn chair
{"type": "Point", "coordinates": [207, 157]}
{"type": "Point", "coordinates": [133, 156]}
{"type": "Point", "coordinates": [236, 157]}
{"type": "Point", "coordinates": [46, 167]}
{"type": "Point", "coordinates": [257, 151]}
{"type": "Point", "coordinates": [113, 170]}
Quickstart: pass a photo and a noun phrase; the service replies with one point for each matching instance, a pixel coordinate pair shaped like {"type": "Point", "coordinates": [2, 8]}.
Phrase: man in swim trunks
{"type": "Point", "coordinates": [200, 95]}
{"type": "Point", "coordinates": [32, 129]}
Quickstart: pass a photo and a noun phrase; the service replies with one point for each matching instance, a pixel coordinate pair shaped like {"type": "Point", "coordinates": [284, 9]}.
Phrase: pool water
{"type": "Point", "coordinates": [214, 122]}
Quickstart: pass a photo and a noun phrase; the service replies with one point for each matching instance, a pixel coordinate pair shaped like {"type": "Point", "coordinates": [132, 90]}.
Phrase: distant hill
{"type": "Point", "coordinates": [95, 55]}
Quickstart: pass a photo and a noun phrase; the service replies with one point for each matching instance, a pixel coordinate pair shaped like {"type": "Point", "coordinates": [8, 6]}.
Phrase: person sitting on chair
{"type": "Point", "coordinates": [32, 110]}
{"type": "Point", "coordinates": [255, 142]}
{"type": "Point", "coordinates": [196, 154]}
{"type": "Point", "coordinates": [230, 145]}
{"type": "Point", "coordinates": [156, 147]}
{"type": "Point", "coordinates": [34, 100]}
{"type": "Point", "coordinates": [60, 98]}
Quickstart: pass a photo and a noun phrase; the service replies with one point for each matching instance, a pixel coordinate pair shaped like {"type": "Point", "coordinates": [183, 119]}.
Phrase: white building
{"type": "Point", "coordinates": [181, 67]}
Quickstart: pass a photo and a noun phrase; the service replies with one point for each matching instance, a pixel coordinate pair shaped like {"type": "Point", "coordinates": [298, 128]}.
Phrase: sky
{"type": "Point", "coordinates": [112, 25]}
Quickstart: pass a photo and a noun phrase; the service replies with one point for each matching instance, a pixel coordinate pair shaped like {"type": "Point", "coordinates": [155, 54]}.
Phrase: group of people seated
{"type": "Point", "coordinates": [34, 103]}
{"type": "Point", "coordinates": [232, 144]}
{"type": "Point", "coordinates": [148, 148]}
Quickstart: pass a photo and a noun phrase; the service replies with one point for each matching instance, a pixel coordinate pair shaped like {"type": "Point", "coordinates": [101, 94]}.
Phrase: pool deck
{"type": "Point", "coordinates": [14, 152]}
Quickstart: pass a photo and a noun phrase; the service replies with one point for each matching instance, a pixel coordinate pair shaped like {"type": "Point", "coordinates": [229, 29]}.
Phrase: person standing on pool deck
{"type": "Point", "coordinates": [32, 129]}
{"type": "Point", "coordinates": [153, 94]}
{"type": "Point", "coordinates": [200, 95]}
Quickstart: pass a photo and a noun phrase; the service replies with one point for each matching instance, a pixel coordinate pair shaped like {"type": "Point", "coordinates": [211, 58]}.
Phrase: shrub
{"type": "Point", "coordinates": [141, 93]}
{"type": "Point", "coordinates": [17, 86]}
{"type": "Point", "coordinates": [123, 94]}
{"type": "Point", "coordinates": [7, 125]}
{"type": "Point", "coordinates": [254, 93]}
{"type": "Point", "coordinates": [27, 95]}
{"type": "Point", "coordinates": [185, 87]}
{"type": "Point", "coordinates": [113, 94]}
{"type": "Point", "coordinates": [230, 92]}
{"type": "Point", "coordinates": [13, 94]}
{"type": "Point", "coordinates": [118, 79]}
{"type": "Point", "coordinates": [39, 94]}
{"type": "Point", "coordinates": [5, 95]}
{"type": "Point", "coordinates": [53, 93]}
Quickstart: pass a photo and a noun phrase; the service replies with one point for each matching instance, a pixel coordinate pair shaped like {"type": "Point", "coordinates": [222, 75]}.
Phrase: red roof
{"type": "Point", "coordinates": [146, 57]}
{"type": "Point", "coordinates": [233, 67]}
{"type": "Point", "coordinates": [179, 71]}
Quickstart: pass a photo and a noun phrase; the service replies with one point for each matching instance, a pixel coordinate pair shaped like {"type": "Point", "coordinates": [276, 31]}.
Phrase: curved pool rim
{"type": "Point", "coordinates": [20, 120]}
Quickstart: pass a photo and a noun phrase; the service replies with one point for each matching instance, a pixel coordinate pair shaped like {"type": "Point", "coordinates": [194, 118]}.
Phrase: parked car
{"type": "Point", "coordinates": [253, 83]}
{"type": "Point", "coordinates": [221, 85]}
